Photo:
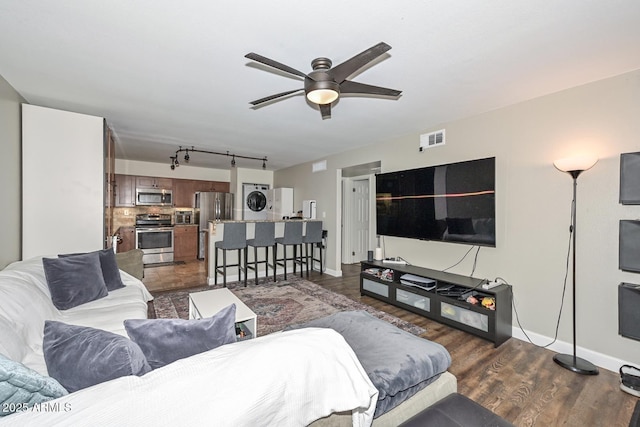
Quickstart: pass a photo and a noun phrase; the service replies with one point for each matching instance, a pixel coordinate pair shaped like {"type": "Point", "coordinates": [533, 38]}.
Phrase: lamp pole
{"type": "Point", "coordinates": [568, 361]}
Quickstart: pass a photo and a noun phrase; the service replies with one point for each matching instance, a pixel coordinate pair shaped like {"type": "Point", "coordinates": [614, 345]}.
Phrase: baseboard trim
{"type": "Point", "coordinates": [603, 361]}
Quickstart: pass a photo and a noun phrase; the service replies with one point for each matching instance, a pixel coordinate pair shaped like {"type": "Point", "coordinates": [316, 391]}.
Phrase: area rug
{"type": "Point", "coordinates": [278, 304]}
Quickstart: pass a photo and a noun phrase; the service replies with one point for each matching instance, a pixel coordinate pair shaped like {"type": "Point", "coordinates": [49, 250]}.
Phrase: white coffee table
{"type": "Point", "coordinates": [207, 303]}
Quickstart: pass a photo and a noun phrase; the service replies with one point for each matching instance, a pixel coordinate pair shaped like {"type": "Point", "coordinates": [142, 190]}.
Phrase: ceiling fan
{"type": "Point", "coordinates": [324, 84]}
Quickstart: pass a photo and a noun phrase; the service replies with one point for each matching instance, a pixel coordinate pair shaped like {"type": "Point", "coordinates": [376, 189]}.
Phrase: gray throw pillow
{"type": "Point", "coordinates": [166, 340]}
{"type": "Point", "coordinates": [79, 356]}
{"type": "Point", "coordinates": [109, 267]}
{"type": "Point", "coordinates": [22, 387]}
{"type": "Point", "coordinates": [131, 262]}
{"type": "Point", "coordinates": [74, 280]}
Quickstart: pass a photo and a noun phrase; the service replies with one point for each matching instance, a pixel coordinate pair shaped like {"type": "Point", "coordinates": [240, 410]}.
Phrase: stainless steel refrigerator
{"type": "Point", "coordinates": [210, 206]}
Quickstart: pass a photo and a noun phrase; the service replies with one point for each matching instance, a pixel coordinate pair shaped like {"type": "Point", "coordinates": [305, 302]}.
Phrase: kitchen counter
{"type": "Point", "coordinates": [216, 229]}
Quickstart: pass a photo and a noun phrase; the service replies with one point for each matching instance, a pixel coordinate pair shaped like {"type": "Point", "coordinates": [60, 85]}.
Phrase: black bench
{"type": "Point", "coordinates": [456, 410]}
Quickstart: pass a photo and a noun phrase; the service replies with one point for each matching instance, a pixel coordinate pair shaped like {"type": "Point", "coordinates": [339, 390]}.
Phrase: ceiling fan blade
{"type": "Point", "coordinates": [272, 97]}
{"type": "Point", "coordinates": [347, 87]}
{"type": "Point", "coordinates": [274, 64]}
{"type": "Point", "coordinates": [342, 71]}
{"type": "Point", "coordinates": [325, 110]}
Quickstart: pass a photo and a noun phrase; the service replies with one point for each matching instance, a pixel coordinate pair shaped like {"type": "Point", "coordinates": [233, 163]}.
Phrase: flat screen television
{"type": "Point", "coordinates": [454, 202]}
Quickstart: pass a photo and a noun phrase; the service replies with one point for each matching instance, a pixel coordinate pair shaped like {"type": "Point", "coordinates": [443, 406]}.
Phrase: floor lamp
{"type": "Point", "coordinates": [575, 166]}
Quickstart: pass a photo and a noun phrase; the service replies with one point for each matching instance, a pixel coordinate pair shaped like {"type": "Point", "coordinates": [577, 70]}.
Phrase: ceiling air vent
{"type": "Point", "coordinates": [428, 140]}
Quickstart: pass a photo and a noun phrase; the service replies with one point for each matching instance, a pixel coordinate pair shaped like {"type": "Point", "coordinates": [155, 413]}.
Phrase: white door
{"type": "Point", "coordinates": [360, 218]}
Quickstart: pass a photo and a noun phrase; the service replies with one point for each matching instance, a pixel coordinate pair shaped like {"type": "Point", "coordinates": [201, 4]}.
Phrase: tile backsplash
{"type": "Point", "coordinates": [126, 217]}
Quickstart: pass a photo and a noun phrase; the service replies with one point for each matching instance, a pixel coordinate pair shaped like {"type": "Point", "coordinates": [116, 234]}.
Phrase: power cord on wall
{"type": "Point", "coordinates": [564, 291]}
{"type": "Point", "coordinates": [463, 257]}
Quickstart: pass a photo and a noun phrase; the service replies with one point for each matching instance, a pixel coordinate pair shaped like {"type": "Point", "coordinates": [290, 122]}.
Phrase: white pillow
{"type": "Point", "coordinates": [12, 344]}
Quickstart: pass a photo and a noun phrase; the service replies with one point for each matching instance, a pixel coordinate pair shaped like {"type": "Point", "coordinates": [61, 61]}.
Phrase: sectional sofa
{"type": "Point", "coordinates": [296, 377]}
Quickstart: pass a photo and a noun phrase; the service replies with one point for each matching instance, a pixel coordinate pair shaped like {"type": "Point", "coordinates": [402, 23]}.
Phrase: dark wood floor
{"type": "Point", "coordinates": [517, 380]}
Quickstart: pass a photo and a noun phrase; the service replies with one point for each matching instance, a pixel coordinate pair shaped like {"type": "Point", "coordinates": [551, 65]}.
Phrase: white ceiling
{"type": "Point", "coordinates": [166, 73]}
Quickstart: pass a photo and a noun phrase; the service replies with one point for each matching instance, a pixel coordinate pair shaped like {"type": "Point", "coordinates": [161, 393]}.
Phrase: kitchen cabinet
{"type": "Point", "coordinates": [154, 182]}
{"type": "Point", "coordinates": [185, 242]}
{"type": "Point", "coordinates": [125, 190]}
{"type": "Point", "coordinates": [183, 192]}
{"type": "Point", "coordinates": [219, 186]}
{"type": "Point", "coordinates": [127, 239]}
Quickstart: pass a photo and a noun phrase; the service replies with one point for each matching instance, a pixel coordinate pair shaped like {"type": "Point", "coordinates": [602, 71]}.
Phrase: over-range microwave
{"type": "Point", "coordinates": [153, 197]}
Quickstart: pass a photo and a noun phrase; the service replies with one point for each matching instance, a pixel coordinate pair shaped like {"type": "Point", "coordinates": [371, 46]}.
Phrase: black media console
{"type": "Point", "coordinates": [441, 296]}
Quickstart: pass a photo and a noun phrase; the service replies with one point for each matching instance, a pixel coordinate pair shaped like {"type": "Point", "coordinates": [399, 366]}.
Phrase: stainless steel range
{"type": "Point", "coordinates": [154, 235]}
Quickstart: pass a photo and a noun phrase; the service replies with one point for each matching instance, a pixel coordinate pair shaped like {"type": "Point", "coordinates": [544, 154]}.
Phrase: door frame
{"type": "Point", "coordinates": [348, 213]}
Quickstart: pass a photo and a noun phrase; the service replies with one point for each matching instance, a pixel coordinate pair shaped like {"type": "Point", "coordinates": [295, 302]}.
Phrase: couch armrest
{"type": "Point", "coordinates": [131, 262]}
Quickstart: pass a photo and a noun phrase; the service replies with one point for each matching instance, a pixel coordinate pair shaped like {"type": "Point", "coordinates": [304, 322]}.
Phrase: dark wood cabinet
{"type": "Point", "coordinates": [125, 190]}
{"type": "Point", "coordinates": [442, 297]}
{"type": "Point", "coordinates": [207, 186]}
{"type": "Point", "coordinates": [185, 242]}
{"type": "Point", "coordinates": [183, 189]}
{"type": "Point", "coordinates": [127, 240]}
{"type": "Point", "coordinates": [184, 193]}
{"type": "Point", "coordinates": [154, 182]}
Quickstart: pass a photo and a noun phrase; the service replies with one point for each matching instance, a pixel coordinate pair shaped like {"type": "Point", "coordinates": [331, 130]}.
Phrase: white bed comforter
{"type": "Point", "coordinates": [284, 379]}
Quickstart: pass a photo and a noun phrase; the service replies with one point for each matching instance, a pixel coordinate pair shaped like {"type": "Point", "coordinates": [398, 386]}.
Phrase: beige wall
{"type": "Point", "coordinates": [10, 174]}
{"type": "Point", "coordinates": [533, 206]}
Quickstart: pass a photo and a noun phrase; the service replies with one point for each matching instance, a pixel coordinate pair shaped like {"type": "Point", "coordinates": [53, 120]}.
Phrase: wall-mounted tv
{"type": "Point", "coordinates": [454, 202]}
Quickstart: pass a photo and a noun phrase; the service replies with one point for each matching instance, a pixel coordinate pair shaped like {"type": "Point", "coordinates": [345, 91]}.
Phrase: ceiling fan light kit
{"type": "Point", "coordinates": [324, 84]}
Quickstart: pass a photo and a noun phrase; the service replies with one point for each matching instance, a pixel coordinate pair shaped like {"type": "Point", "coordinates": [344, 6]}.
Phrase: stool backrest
{"type": "Point", "coordinates": [313, 233]}
{"type": "Point", "coordinates": [292, 233]}
{"type": "Point", "coordinates": [234, 235]}
{"type": "Point", "coordinates": [265, 234]}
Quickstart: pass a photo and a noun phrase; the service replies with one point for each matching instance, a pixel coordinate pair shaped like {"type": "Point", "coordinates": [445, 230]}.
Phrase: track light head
{"type": "Point", "coordinates": [233, 161]}
{"type": "Point", "coordinates": [186, 156]}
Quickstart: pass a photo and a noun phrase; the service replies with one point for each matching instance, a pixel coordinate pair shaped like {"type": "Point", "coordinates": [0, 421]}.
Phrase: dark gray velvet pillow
{"type": "Point", "coordinates": [109, 267]}
{"type": "Point", "coordinates": [166, 340]}
{"type": "Point", "coordinates": [74, 280]}
{"type": "Point", "coordinates": [79, 356]}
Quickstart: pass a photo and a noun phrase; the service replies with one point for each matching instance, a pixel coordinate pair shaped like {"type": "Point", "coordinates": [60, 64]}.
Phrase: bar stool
{"type": "Point", "coordinates": [265, 237]}
{"type": "Point", "coordinates": [233, 237]}
{"type": "Point", "coordinates": [292, 237]}
{"type": "Point", "coordinates": [312, 239]}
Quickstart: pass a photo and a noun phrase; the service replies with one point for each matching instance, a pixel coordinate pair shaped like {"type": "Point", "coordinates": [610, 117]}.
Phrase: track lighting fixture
{"type": "Point", "coordinates": [175, 163]}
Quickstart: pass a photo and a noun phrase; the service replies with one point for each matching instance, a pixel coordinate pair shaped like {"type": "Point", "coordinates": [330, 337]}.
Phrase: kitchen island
{"type": "Point", "coordinates": [216, 231]}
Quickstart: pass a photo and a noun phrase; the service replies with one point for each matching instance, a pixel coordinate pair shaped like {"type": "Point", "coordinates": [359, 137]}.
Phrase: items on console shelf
{"type": "Point", "coordinates": [242, 332]}
{"type": "Point", "coordinates": [380, 273]}
{"type": "Point", "coordinates": [418, 281]}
